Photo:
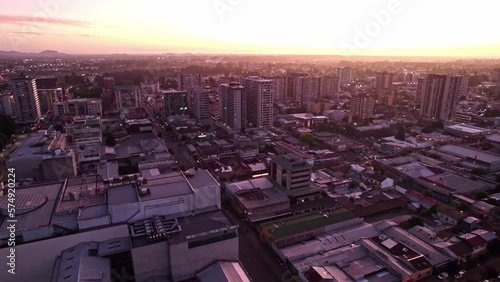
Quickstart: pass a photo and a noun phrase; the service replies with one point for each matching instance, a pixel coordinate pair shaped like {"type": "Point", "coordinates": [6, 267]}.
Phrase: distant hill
{"type": "Point", "coordinates": [43, 54]}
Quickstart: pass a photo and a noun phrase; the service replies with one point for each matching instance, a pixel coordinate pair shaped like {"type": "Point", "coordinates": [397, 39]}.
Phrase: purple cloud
{"type": "Point", "coordinates": [5, 19]}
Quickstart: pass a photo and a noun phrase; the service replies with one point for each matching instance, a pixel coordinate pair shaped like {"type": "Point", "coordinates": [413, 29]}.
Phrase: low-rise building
{"type": "Point", "coordinates": [180, 248]}
{"type": "Point", "coordinates": [308, 120]}
{"type": "Point", "coordinates": [291, 172]}
{"type": "Point", "coordinates": [43, 156]}
{"type": "Point", "coordinates": [258, 199]}
{"type": "Point", "coordinates": [466, 131]}
{"type": "Point", "coordinates": [449, 215]}
{"type": "Point", "coordinates": [473, 158]}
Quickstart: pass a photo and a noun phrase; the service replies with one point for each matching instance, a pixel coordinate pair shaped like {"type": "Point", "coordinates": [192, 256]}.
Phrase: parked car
{"type": "Point", "coordinates": [443, 275]}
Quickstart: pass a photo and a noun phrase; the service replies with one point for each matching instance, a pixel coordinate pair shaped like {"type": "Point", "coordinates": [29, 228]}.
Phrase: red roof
{"type": "Point", "coordinates": [460, 249]}
{"type": "Point", "coordinates": [378, 177]}
{"type": "Point", "coordinates": [421, 197]}
{"type": "Point", "coordinates": [474, 241]}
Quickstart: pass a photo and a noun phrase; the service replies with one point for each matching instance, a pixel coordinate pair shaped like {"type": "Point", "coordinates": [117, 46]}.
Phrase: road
{"type": "Point", "coordinates": [473, 274]}
{"type": "Point", "coordinates": [181, 154]}
{"type": "Point", "coordinates": [260, 262]}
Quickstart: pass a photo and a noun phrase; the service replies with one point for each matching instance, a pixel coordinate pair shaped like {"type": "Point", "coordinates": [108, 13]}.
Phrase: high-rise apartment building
{"type": "Point", "coordinates": [440, 95]}
{"type": "Point", "coordinates": [26, 99]}
{"type": "Point", "coordinates": [420, 86]}
{"type": "Point", "coordinates": [330, 86]}
{"type": "Point", "coordinates": [199, 103]}
{"type": "Point", "coordinates": [410, 77]}
{"type": "Point", "coordinates": [259, 101]}
{"type": "Point", "coordinates": [307, 89]}
{"type": "Point", "coordinates": [345, 75]}
{"type": "Point", "coordinates": [279, 87]}
{"type": "Point", "coordinates": [108, 96]}
{"type": "Point", "coordinates": [188, 81]}
{"type": "Point", "coordinates": [78, 107]}
{"type": "Point", "coordinates": [233, 105]}
{"type": "Point", "coordinates": [176, 102]}
{"type": "Point", "coordinates": [7, 106]}
{"type": "Point", "coordinates": [383, 81]}
{"type": "Point", "coordinates": [362, 106]}
{"type": "Point", "coordinates": [47, 98]}
{"type": "Point", "coordinates": [291, 81]}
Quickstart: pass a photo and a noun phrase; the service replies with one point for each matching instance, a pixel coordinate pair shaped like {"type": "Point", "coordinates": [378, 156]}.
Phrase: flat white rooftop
{"type": "Point", "coordinates": [467, 128]}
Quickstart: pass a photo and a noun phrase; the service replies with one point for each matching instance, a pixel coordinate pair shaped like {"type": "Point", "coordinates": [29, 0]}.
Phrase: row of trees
{"type": "Point", "coordinates": [338, 128]}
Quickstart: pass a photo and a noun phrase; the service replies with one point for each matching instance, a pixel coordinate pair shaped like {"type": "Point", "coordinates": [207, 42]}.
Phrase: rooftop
{"type": "Point", "coordinates": [191, 227]}
{"type": "Point", "coordinates": [292, 162]}
{"type": "Point", "coordinates": [450, 211]}
{"type": "Point", "coordinates": [290, 149]}
{"type": "Point", "coordinates": [40, 145]}
{"type": "Point", "coordinates": [165, 186]}
{"type": "Point", "coordinates": [415, 169]}
{"type": "Point", "coordinates": [223, 271]}
{"type": "Point", "coordinates": [471, 153]}
{"type": "Point", "coordinates": [360, 268]}
{"type": "Point", "coordinates": [473, 239]}
{"type": "Point", "coordinates": [467, 128]}
{"type": "Point", "coordinates": [416, 260]}
{"type": "Point", "coordinates": [92, 122]}
{"type": "Point", "coordinates": [77, 264]}
{"type": "Point", "coordinates": [81, 191]}
{"type": "Point", "coordinates": [304, 223]}
{"type": "Point", "coordinates": [328, 241]}
{"type": "Point", "coordinates": [122, 195]}
{"type": "Point", "coordinates": [42, 215]}
{"type": "Point", "coordinates": [132, 145]}
{"type": "Point", "coordinates": [456, 183]}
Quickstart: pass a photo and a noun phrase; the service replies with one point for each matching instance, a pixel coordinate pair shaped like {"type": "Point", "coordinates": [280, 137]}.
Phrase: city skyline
{"type": "Point", "coordinates": [370, 28]}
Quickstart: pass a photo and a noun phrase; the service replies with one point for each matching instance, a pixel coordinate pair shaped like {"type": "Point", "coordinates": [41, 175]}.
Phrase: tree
{"type": "Point", "coordinates": [110, 140]}
{"type": "Point", "coordinates": [307, 137]}
{"type": "Point", "coordinates": [497, 178]}
{"type": "Point", "coordinates": [413, 221]}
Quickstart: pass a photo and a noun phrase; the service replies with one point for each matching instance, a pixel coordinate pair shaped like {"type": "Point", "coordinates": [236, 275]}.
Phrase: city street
{"type": "Point", "coordinates": [257, 258]}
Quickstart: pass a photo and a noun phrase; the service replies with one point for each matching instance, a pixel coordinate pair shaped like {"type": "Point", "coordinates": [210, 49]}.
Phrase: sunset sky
{"type": "Point", "coordinates": [358, 27]}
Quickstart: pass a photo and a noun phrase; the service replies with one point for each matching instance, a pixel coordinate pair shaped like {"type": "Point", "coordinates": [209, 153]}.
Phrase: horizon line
{"type": "Point", "coordinates": [155, 53]}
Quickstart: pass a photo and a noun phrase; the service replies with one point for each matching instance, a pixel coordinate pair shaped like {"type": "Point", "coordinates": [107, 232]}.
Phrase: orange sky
{"type": "Point", "coordinates": [359, 27]}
